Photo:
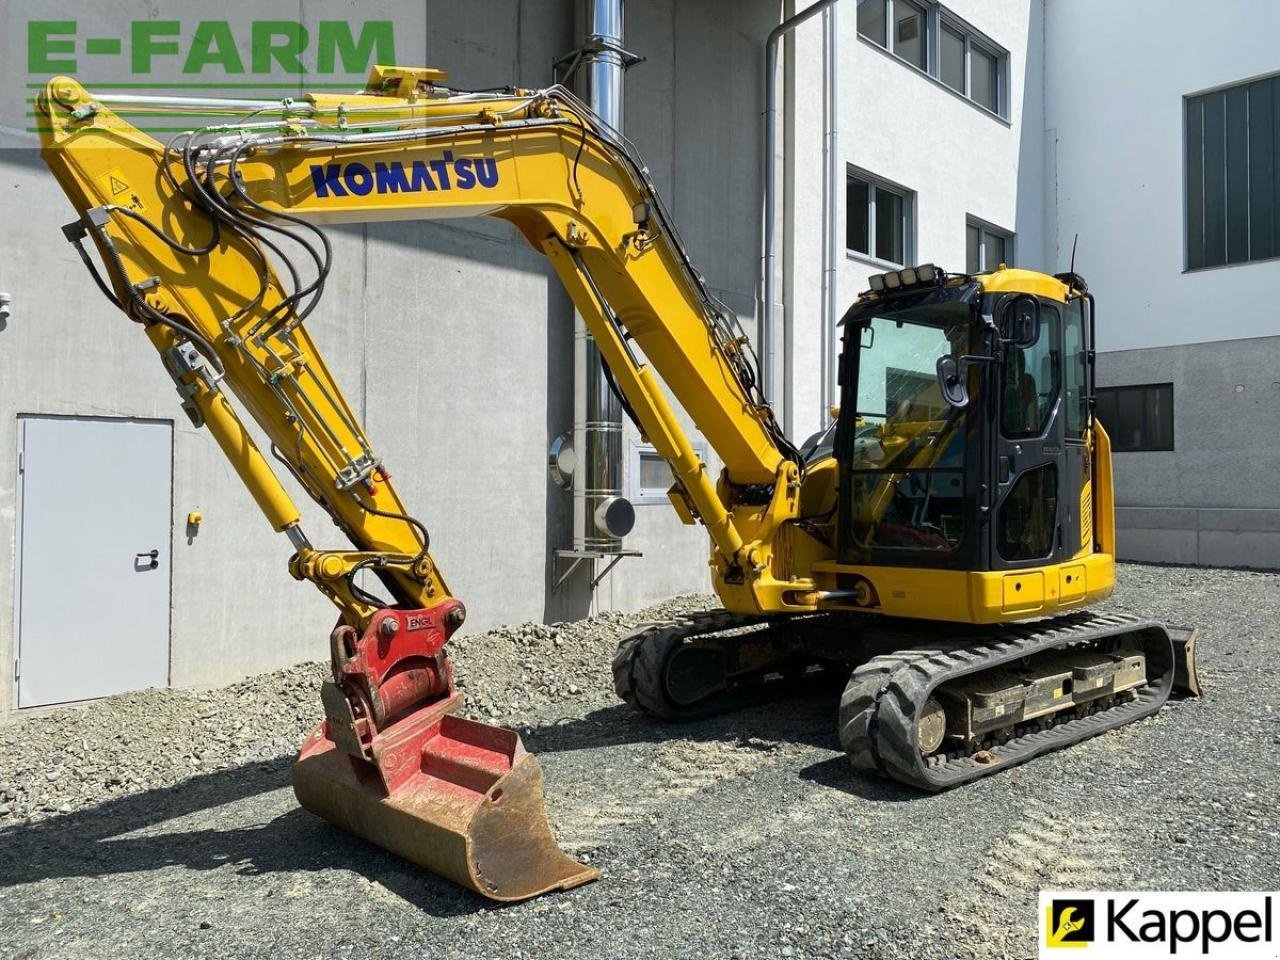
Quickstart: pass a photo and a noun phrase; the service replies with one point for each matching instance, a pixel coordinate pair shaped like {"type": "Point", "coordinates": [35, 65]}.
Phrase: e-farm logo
{"type": "Point", "coordinates": [216, 48]}
{"type": "Point", "coordinates": [175, 49]}
{"type": "Point", "coordinates": [1112, 924]}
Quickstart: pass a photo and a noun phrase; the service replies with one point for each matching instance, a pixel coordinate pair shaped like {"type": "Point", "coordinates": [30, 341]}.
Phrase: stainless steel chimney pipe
{"type": "Point", "coordinates": [602, 516]}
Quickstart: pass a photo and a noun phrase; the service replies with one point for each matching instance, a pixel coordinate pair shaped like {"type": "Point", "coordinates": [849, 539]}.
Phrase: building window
{"type": "Point", "coordinates": [1137, 417]}
{"type": "Point", "coordinates": [880, 218]}
{"type": "Point", "coordinates": [986, 247]}
{"type": "Point", "coordinates": [872, 19]}
{"type": "Point", "coordinates": [951, 56]}
{"type": "Point", "coordinates": [984, 78]}
{"type": "Point", "coordinates": [911, 33]}
{"type": "Point", "coordinates": [933, 39]}
{"type": "Point", "coordinates": [651, 475]}
{"type": "Point", "coordinates": [1232, 175]}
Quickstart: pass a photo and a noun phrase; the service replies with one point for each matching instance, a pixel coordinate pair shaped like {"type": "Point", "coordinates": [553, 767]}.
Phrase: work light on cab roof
{"type": "Point", "coordinates": [919, 276]}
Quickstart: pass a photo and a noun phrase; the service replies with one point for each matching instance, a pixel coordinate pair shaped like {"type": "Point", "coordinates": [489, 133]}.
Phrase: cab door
{"type": "Point", "coordinates": [1030, 510]}
{"type": "Point", "coordinates": [1077, 401]}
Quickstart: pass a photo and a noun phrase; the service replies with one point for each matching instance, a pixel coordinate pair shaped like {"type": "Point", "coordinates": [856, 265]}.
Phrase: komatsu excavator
{"type": "Point", "coordinates": [942, 540]}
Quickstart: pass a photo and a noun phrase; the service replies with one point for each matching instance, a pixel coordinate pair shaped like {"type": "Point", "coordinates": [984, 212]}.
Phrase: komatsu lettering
{"type": "Point", "coordinates": [441, 173]}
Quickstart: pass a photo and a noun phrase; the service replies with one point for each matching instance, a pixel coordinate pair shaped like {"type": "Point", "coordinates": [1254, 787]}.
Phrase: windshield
{"type": "Point", "coordinates": [909, 444]}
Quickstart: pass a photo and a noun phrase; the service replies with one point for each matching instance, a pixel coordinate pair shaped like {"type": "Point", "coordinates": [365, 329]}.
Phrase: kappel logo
{"type": "Point", "coordinates": [1070, 923]}
{"type": "Point", "coordinates": [1114, 925]}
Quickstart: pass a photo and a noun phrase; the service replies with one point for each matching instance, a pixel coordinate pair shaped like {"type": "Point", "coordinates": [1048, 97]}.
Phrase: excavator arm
{"type": "Point", "coordinates": [190, 232]}
{"type": "Point", "coordinates": [210, 242]}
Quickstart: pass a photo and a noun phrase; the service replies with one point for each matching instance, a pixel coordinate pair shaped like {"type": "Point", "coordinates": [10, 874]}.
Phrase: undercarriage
{"type": "Point", "coordinates": [926, 704]}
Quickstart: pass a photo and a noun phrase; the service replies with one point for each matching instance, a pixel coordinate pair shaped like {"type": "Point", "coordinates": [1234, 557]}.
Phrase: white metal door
{"type": "Point", "coordinates": [93, 557]}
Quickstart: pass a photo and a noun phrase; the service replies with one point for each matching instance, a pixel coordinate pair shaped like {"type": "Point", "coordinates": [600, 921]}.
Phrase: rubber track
{"type": "Point", "coordinates": [880, 706]}
{"type": "Point", "coordinates": [640, 662]}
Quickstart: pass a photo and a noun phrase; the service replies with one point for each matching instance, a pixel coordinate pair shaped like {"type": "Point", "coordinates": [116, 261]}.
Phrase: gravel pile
{"type": "Point", "coordinates": [510, 670]}
{"type": "Point", "coordinates": [59, 761]}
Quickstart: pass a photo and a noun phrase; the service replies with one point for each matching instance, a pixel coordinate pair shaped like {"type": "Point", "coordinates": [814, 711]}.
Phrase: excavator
{"type": "Point", "coordinates": [935, 551]}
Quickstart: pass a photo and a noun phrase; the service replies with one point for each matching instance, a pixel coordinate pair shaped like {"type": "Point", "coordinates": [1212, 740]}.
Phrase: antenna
{"type": "Point", "coordinates": [1073, 254]}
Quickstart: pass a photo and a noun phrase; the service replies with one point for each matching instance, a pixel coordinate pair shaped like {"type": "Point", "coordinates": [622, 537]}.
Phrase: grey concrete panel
{"type": "Point", "coordinates": [1226, 403]}
{"type": "Point", "coordinates": [1257, 521]}
{"type": "Point", "coordinates": [1220, 548]}
{"type": "Point", "coordinates": [1159, 546]}
{"type": "Point", "coordinates": [1155, 518]}
{"type": "Point", "coordinates": [716, 121]}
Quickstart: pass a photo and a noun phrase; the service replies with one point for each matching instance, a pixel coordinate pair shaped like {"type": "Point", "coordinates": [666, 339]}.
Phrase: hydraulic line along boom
{"type": "Point", "coordinates": [209, 243]}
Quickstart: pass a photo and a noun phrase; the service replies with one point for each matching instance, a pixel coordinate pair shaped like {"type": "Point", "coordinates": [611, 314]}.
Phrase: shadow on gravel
{"type": "Point", "coordinates": [135, 834]}
{"type": "Point", "coordinates": [806, 720]}
{"type": "Point", "coordinates": [837, 774]}
{"type": "Point", "coordinates": [128, 835]}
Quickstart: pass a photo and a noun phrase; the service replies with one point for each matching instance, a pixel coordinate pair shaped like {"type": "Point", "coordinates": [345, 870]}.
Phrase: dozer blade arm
{"type": "Point", "coordinates": [1186, 678]}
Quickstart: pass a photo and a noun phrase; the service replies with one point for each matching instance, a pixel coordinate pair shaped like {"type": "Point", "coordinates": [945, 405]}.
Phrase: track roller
{"type": "Point", "coordinates": [953, 711]}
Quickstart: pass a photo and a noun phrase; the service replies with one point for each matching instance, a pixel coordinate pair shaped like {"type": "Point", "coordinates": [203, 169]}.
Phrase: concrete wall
{"type": "Point", "coordinates": [693, 110]}
{"type": "Point", "coordinates": [454, 341]}
{"type": "Point", "coordinates": [908, 128]}
{"type": "Point", "coordinates": [1214, 499]}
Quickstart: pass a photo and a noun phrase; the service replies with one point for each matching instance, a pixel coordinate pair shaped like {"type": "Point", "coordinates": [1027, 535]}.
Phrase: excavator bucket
{"type": "Point", "coordinates": [459, 798]}
{"type": "Point", "coordinates": [1185, 678]}
{"type": "Point", "coordinates": [394, 763]}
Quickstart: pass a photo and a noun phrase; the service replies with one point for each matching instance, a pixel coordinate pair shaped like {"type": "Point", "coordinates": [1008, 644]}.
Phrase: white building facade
{"type": "Point", "coordinates": [940, 143]}
{"type": "Point", "coordinates": [1002, 130]}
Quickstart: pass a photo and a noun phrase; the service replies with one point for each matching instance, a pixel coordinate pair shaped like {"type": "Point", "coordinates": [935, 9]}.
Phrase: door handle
{"type": "Point", "coordinates": [146, 561]}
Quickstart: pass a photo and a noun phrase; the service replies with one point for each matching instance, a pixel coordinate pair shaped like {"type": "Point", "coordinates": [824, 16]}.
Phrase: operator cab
{"type": "Point", "coordinates": [963, 437]}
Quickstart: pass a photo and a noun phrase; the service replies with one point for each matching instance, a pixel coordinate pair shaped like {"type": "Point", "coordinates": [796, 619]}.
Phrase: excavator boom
{"type": "Point", "coordinates": [210, 243]}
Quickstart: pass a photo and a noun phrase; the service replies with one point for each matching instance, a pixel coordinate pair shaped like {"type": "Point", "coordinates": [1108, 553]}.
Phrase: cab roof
{"type": "Point", "coordinates": [1013, 280]}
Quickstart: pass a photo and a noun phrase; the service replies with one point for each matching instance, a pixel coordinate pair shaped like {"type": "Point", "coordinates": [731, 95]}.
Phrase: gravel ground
{"type": "Point", "coordinates": [161, 824]}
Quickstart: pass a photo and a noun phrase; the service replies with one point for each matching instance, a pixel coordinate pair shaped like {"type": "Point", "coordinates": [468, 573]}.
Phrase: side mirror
{"type": "Point", "coordinates": [1020, 322]}
{"type": "Point", "coordinates": [951, 381]}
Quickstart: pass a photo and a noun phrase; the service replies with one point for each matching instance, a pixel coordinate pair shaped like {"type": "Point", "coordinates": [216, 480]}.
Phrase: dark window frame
{"type": "Point", "coordinates": [1026, 526]}
{"type": "Point", "coordinates": [1231, 174]}
{"type": "Point", "coordinates": [1104, 397]}
{"type": "Point", "coordinates": [1077, 416]}
{"type": "Point", "coordinates": [938, 18]}
{"type": "Point", "coordinates": [986, 230]}
{"type": "Point", "coordinates": [907, 222]}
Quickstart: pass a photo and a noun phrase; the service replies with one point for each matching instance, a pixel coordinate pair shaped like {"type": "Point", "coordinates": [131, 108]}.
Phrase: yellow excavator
{"type": "Point", "coordinates": [935, 550]}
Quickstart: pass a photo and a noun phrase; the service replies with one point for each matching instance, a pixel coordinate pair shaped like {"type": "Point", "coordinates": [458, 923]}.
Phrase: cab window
{"type": "Point", "coordinates": [1077, 395]}
{"type": "Point", "coordinates": [1031, 381]}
